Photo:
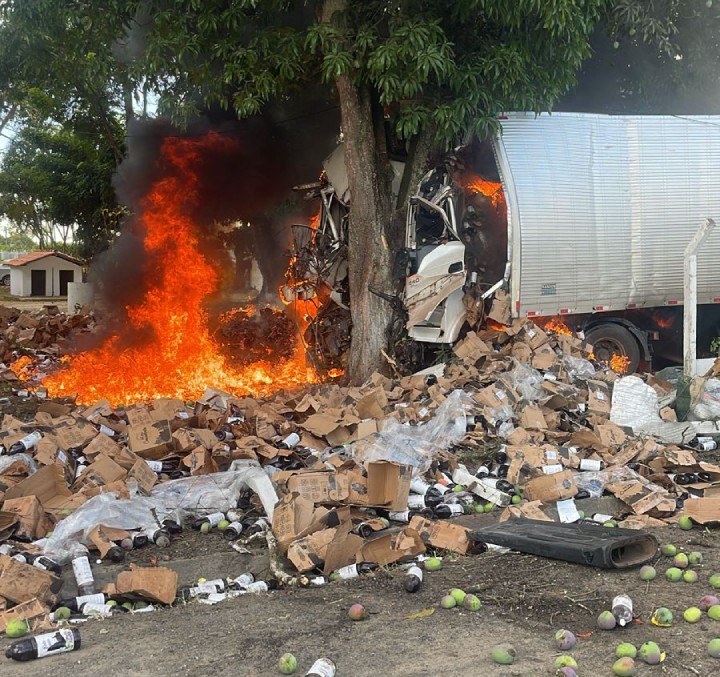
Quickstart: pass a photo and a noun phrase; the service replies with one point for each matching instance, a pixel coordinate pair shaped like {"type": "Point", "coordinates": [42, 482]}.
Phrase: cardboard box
{"type": "Point", "coordinates": [187, 439]}
{"type": "Point", "coordinates": [599, 400]}
{"type": "Point", "coordinates": [388, 484]}
{"type": "Point", "coordinates": [104, 538]}
{"type": "Point", "coordinates": [30, 514]}
{"type": "Point", "coordinates": [21, 582]}
{"type": "Point", "coordinates": [101, 444]}
{"type": "Point", "coordinates": [102, 471]}
{"type": "Point", "coordinates": [150, 441]}
{"type": "Point", "coordinates": [549, 488]}
{"type": "Point", "coordinates": [143, 475]}
{"type": "Point", "coordinates": [703, 510]}
{"type": "Point", "coordinates": [153, 584]}
{"type": "Point", "coordinates": [443, 535]}
{"type": "Point", "coordinates": [309, 552]}
{"type": "Point", "coordinates": [8, 523]}
{"type": "Point", "coordinates": [392, 547]}
{"type": "Point", "coordinates": [74, 436]}
{"type": "Point", "coordinates": [25, 611]}
{"type": "Point", "coordinates": [294, 516]}
{"type": "Point", "coordinates": [532, 419]}
{"type": "Point", "coordinates": [48, 484]}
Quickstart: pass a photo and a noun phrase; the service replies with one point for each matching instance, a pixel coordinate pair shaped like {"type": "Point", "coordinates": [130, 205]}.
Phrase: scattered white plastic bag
{"type": "Point", "coordinates": [707, 407]}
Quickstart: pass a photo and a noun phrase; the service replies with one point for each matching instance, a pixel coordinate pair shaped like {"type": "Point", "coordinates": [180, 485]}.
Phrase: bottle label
{"type": "Point", "coordinates": [590, 464]}
{"type": "Point", "coordinates": [155, 466]}
{"type": "Point", "coordinates": [291, 441]}
{"type": "Point", "coordinates": [29, 441]}
{"type": "Point", "coordinates": [214, 518]}
{"type": "Point", "coordinates": [441, 488]}
{"type": "Point", "coordinates": [257, 586]}
{"type": "Point", "coordinates": [56, 642]}
{"type": "Point", "coordinates": [456, 509]}
{"type": "Point", "coordinates": [403, 516]}
{"type": "Point", "coordinates": [244, 580]}
{"type": "Point", "coordinates": [600, 518]}
{"type": "Point", "coordinates": [97, 598]}
{"type": "Point", "coordinates": [348, 572]}
{"type": "Point", "coordinates": [322, 668]}
{"type": "Point", "coordinates": [236, 526]}
{"type": "Point", "coordinates": [207, 587]}
{"type": "Point", "coordinates": [91, 609]}
{"type": "Point", "coordinates": [83, 572]}
{"type": "Point", "coordinates": [415, 571]}
{"type": "Point", "coordinates": [418, 486]}
{"type": "Point", "coordinates": [107, 431]}
{"type": "Point", "coordinates": [416, 502]}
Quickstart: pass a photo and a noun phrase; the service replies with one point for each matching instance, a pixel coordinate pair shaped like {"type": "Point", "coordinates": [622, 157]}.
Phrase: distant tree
{"type": "Point", "coordinates": [55, 185]}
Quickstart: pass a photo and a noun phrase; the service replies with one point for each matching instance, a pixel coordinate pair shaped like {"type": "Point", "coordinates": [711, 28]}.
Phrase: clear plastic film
{"type": "Point", "coordinates": [418, 445]}
{"type": "Point", "coordinates": [527, 382]}
{"type": "Point", "coordinates": [176, 499]}
{"type": "Point", "coordinates": [578, 368]}
{"type": "Point", "coordinates": [7, 461]}
{"type": "Point", "coordinates": [707, 406]}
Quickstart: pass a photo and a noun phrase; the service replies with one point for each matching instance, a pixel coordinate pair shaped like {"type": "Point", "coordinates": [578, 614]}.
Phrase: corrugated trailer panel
{"type": "Point", "coordinates": [602, 207]}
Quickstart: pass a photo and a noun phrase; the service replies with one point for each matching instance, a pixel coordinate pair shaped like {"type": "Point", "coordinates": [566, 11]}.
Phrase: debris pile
{"type": "Point", "coordinates": [521, 423]}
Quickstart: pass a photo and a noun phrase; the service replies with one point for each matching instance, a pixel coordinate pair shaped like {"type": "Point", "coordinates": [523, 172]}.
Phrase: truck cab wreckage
{"type": "Point", "coordinates": [571, 219]}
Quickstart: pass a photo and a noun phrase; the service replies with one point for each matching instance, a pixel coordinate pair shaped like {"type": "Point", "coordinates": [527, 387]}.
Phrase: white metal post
{"type": "Point", "coordinates": [690, 297]}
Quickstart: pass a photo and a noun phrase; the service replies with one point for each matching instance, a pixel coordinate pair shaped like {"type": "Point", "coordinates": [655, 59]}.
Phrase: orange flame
{"type": "Point", "coordinates": [24, 368]}
{"type": "Point", "coordinates": [167, 351]}
{"type": "Point", "coordinates": [557, 325]}
{"type": "Point", "coordinates": [619, 363]}
{"type": "Point", "coordinates": [663, 322]}
{"type": "Point", "coordinates": [490, 189]}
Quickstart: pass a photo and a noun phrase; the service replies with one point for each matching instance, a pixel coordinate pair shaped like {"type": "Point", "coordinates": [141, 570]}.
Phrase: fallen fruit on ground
{"type": "Point", "coordinates": [458, 595]}
{"type": "Point", "coordinates": [647, 573]}
{"type": "Point", "coordinates": [16, 629]}
{"type": "Point", "coordinates": [673, 574]}
{"type": "Point", "coordinates": [357, 612]}
{"type": "Point", "coordinates": [650, 653]}
{"type": "Point", "coordinates": [624, 667]}
{"type": "Point", "coordinates": [287, 664]}
{"type": "Point", "coordinates": [503, 654]}
{"type": "Point", "coordinates": [692, 614]}
{"type": "Point", "coordinates": [695, 558]}
{"type": "Point", "coordinates": [566, 671]}
{"type": "Point", "coordinates": [715, 581]}
{"type": "Point", "coordinates": [489, 507]}
{"type": "Point", "coordinates": [62, 613]}
{"type": "Point", "coordinates": [433, 564]}
{"type": "Point", "coordinates": [690, 576]}
{"type": "Point", "coordinates": [222, 525]}
{"type": "Point", "coordinates": [205, 528]}
{"type": "Point", "coordinates": [610, 524]}
{"type": "Point", "coordinates": [471, 603]}
{"type": "Point", "coordinates": [707, 601]}
{"type": "Point", "coordinates": [714, 612]}
{"type": "Point", "coordinates": [681, 560]}
{"type": "Point", "coordinates": [516, 500]}
{"type": "Point", "coordinates": [662, 616]}
{"type": "Point", "coordinates": [565, 661]}
{"type": "Point", "coordinates": [606, 621]}
{"type": "Point", "coordinates": [448, 602]}
{"type": "Point", "coordinates": [626, 650]}
{"type": "Point", "coordinates": [669, 550]}
{"type": "Point", "coordinates": [685, 523]}
{"type": "Point", "coordinates": [564, 640]}
{"type": "Point", "coordinates": [713, 649]}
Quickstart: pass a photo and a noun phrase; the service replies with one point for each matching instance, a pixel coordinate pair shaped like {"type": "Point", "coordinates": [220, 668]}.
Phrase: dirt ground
{"type": "Point", "coordinates": [525, 600]}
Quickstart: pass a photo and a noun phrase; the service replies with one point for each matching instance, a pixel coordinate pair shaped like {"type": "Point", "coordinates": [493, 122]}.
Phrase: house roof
{"type": "Point", "coordinates": [36, 256]}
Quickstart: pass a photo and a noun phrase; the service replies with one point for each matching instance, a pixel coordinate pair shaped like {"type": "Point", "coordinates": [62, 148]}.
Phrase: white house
{"type": "Point", "coordinates": [43, 273]}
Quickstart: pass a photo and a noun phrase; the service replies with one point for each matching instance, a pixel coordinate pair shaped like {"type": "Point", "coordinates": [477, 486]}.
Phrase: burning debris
{"type": "Point", "coordinates": [165, 348]}
{"type": "Point", "coordinates": [249, 335]}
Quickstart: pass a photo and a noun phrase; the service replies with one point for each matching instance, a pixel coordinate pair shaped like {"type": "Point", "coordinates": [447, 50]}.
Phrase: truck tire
{"type": "Point", "coordinates": [610, 339]}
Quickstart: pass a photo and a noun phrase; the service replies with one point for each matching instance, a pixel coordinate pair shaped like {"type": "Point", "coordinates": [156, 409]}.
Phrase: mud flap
{"type": "Point", "coordinates": [588, 544]}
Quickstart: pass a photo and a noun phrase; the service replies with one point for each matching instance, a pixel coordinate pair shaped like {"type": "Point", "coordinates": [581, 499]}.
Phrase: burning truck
{"type": "Point", "coordinates": [578, 220]}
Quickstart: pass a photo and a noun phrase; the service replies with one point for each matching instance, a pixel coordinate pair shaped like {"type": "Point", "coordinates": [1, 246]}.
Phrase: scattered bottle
{"type": "Point", "coordinates": [49, 644]}
{"type": "Point", "coordinates": [592, 465]}
{"type": "Point", "coordinates": [25, 444]}
{"type": "Point", "coordinates": [418, 502]}
{"type": "Point", "coordinates": [160, 537]}
{"type": "Point", "coordinates": [115, 554]}
{"type": "Point", "coordinates": [76, 604]}
{"type": "Point", "coordinates": [413, 579]}
{"type": "Point", "coordinates": [482, 472]}
{"type": "Point", "coordinates": [224, 434]}
{"type": "Point", "coordinates": [354, 570]}
{"type": "Point", "coordinates": [212, 519]}
{"type": "Point", "coordinates": [233, 531]}
{"type": "Point", "coordinates": [242, 581]}
{"type": "Point", "coordinates": [83, 575]}
{"type": "Point", "coordinates": [290, 442]}
{"type": "Point", "coordinates": [258, 526]}
{"type": "Point", "coordinates": [44, 563]}
{"type": "Point", "coordinates": [162, 467]}
{"type": "Point", "coordinates": [446, 510]}
{"type": "Point", "coordinates": [172, 526]}
{"type": "Point", "coordinates": [322, 667]}
{"type": "Point", "coordinates": [703, 444]}
{"type": "Point", "coordinates": [622, 609]}
{"type": "Point", "coordinates": [263, 586]}
{"type": "Point", "coordinates": [406, 515]}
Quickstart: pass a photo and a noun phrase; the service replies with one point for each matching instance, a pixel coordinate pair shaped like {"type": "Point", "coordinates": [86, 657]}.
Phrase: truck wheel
{"type": "Point", "coordinates": [5, 280]}
{"type": "Point", "coordinates": [613, 339]}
